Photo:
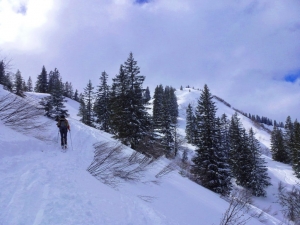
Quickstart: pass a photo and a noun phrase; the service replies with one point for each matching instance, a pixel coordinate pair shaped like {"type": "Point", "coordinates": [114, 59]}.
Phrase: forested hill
{"type": "Point", "coordinates": [42, 185]}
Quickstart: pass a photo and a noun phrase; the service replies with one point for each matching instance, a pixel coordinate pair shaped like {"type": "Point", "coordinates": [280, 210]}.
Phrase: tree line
{"type": "Point", "coordinates": [122, 109]}
{"type": "Point", "coordinates": [50, 83]}
{"type": "Point", "coordinates": [14, 82]}
{"type": "Point", "coordinates": [285, 144]}
{"type": "Point", "coordinates": [224, 150]}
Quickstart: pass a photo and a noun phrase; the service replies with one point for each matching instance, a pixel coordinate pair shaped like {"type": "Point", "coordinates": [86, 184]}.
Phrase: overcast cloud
{"type": "Point", "coordinates": [242, 49]}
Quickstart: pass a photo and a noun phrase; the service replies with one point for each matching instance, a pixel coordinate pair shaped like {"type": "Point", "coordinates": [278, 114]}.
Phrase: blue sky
{"type": "Point", "coordinates": [292, 77]}
{"type": "Point", "coordinates": [141, 1]}
{"type": "Point", "coordinates": [243, 50]}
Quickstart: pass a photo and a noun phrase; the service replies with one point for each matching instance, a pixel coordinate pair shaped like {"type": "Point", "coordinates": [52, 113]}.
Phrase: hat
{"type": "Point", "coordinates": [62, 116]}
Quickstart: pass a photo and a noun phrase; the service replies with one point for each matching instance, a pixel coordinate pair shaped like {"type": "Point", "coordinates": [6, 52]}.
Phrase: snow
{"type": "Point", "coordinates": [41, 185]}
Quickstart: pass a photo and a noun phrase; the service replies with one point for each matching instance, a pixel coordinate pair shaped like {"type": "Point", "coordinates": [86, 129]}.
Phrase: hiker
{"type": "Point", "coordinates": [63, 125]}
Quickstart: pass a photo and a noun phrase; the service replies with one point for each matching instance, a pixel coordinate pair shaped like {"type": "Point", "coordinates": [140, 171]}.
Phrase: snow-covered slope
{"type": "Point", "coordinates": [278, 172]}
{"type": "Point", "coordinates": [41, 185]}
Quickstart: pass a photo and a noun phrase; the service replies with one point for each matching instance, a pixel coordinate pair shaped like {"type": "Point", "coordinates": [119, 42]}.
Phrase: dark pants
{"type": "Point", "coordinates": [63, 135]}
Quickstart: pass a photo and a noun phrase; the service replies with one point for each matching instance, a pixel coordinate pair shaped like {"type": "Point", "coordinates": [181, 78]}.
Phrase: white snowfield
{"type": "Point", "coordinates": [40, 185]}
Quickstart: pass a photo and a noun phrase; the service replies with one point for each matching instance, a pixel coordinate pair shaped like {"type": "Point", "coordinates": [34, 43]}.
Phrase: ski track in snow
{"type": "Point", "coordinates": [41, 185]}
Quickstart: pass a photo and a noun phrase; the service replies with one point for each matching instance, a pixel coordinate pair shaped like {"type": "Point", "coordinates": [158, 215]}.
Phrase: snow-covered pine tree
{"type": "Point", "coordinates": [173, 105]}
{"type": "Point", "coordinates": [54, 104]}
{"type": "Point", "coordinates": [41, 85]}
{"type": "Point", "coordinates": [68, 90]}
{"type": "Point", "coordinates": [225, 123]}
{"type": "Point", "coordinates": [258, 179]}
{"type": "Point", "coordinates": [29, 85]}
{"type": "Point", "coordinates": [82, 110]}
{"type": "Point", "coordinates": [140, 121]}
{"type": "Point", "coordinates": [278, 148]}
{"type": "Point", "coordinates": [224, 174]}
{"type": "Point", "coordinates": [18, 84]}
{"type": "Point", "coordinates": [89, 97]}
{"type": "Point", "coordinates": [51, 81]}
{"type": "Point", "coordinates": [207, 158]}
{"type": "Point", "coordinates": [295, 153]}
{"type": "Point", "coordinates": [168, 127]}
{"type": "Point", "coordinates": [101, 106]}
{"type": "Point", "coordinates": [158, 108]}
{"type": "Point", "coordinates": [190, 125]}
{"type": "Point", "coordinates": [147, 95]}
{"type": "Point", "coordinates": [76, 97]}
{"type": "Point", "coordinates": [288, 137]}
{"type": "Point", "coordinates": [239, 151]}
{"type": "Point", "coordinates": [119, 101]}
{"type": "Point", "coordinates": [24, 86]}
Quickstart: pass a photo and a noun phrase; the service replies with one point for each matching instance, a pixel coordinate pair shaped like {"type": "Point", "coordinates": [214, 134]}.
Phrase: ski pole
{"type": "Point", "coordinates": [57, 135]}
{"type": "Point", "coordinates": [71, 140]}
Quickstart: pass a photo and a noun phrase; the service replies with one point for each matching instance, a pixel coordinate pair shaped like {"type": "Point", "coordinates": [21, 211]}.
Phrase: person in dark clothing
{"type": "Point", "coordinates": [63, 126]}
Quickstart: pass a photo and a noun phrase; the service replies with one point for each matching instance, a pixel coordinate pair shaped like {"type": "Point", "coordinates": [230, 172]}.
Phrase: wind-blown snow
{"type": "Point", "coordinates": [40, 185]}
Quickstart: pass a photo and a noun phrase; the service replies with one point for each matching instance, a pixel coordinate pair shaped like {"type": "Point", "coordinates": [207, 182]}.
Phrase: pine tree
{"type": "Point", "coordinates": [41, 85]}
{"type": "Point", "coordinates": [259, 178]}
{"type": "Point", "coordinates": [51, 82]}
{"type": "Point", "coordinates": [173, 105]}
{"type": "Point", "coordinates": [225, 123]}
{"type": "Point", "coordinates": [89, 100]}
{"type": "Point", "coordinates": [76, 97]}
{"type": "Point", "coordinates": [140, 121]}
{"type": "Point", "coordinates": [239, 152]}
{"type": "Point", "coordinates": [130, 121]}
{"type": "Point", "coordinates": [209, 167]}
{"type": "Point", "coordinates": [68, 90]}
{"type": "Point", "coordinates": [295, 147]}
{"type": "Point", "coordinates": [8, 82]}
{"type": "Point", "coordinates": [168, 127]}
{"type": "Point", "coordinates": [158, 108]}
{"type": "Point", "coordinates": [190, 128]}
{"type": "Point", "coordinates": [278, 148]}
{"type": "Point", "coordinates": [288, 137]}
{"type": "Point", "coordinates": [101, 106]}
{"type": "Point", "coordinates": [147, 95]}
{"type": "Point", "coordinates": [224, 184]}
{"type": "Point", "coordinates": [82, 110]}
{"type": "Point", "coordinates": [119, 102]}
{"type": "Point", "coordinates": [54, 104]}
{"type": "Point", "coordinates": [29, 85]}
{"type": "Point", "coordinates": [2, 72]}
{"type": "Point", "coordinates": [18, 84]}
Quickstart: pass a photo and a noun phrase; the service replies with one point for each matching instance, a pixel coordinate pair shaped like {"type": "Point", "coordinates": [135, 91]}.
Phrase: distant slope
{"type": "Point", "coordinates": [278, 172]}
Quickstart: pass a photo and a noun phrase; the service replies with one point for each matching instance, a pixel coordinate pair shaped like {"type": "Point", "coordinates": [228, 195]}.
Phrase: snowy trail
{"type": "Point", "coordinates": [61, 196]}
{"type": "Point", "coordinates": [45, 186]}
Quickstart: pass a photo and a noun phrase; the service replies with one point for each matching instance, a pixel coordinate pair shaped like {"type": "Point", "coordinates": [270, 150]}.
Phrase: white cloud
{"type": "Point", "coordinates": [241, 49]}
{"type": "Point", "coordinates": [22, 30]}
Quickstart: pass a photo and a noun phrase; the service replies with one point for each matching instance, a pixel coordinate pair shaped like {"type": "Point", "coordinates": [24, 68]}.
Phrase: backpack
{"type": "Point", "coordinates": [63, 124]}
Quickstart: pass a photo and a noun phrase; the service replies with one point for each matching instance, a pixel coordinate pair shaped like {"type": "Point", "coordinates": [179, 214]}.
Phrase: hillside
{"type": "Point", "coordinates": [42, 185]}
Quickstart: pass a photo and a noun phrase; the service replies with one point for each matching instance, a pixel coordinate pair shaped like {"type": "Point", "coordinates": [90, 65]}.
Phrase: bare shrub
{"type": "Point", "coordinates": [19, 114]}
{"type": "Point", "coordinates": [166, 170]}
{"type": "Point", "coordinates": [290, 201]}
{"type": "Point", "coordinates": [239, 205]}
{"type": "Point", "coordinates": [111, 165]}
{"type": "Point", "coordinates": [150, 147]}
{"type": "Point", "coordinates": [146, 198]}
